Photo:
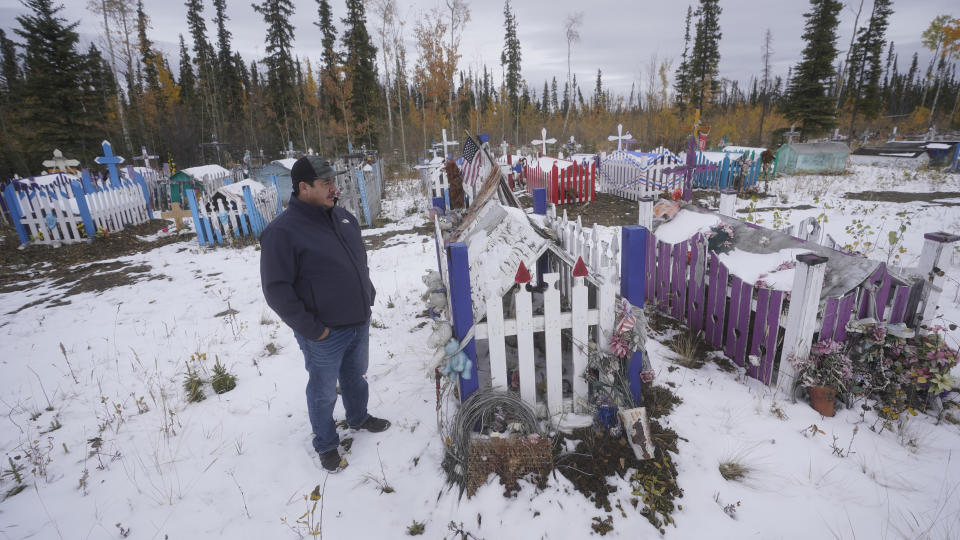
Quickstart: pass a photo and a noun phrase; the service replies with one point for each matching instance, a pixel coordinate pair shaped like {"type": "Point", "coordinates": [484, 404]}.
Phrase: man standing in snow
{"type": "Point", "coordinates": [313, 270]}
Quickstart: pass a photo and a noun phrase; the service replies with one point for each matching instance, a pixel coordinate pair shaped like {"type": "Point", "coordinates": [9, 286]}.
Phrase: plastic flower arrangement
{"type": "Point", "coordinates": [898, 367]}
{"type": "Point", "coordinates": [720, 239]}
{"type": "Point", "coordinates": [607, 372]}
{"type": "Point", "coordinates": [828, 365]}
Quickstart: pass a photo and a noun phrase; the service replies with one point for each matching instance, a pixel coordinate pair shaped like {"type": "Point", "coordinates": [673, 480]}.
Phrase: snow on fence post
{"type": "Point", "coordinates": [728, 202]}
{"type": "Point", "coordinates": [802, 316]}
{"type": "Point", "coordinates": [632, 277]}
{"type": "Point", "coordinates": [645, 212]}
{"type": "Point", "coordinates": [462, 312]}
{"type": "Point", "coordinates": [929, 268]}
{"type": "Point", "coordinates": [540, 201]}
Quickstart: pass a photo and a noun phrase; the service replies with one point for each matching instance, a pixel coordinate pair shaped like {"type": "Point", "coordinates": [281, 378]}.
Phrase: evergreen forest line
{"type": "Point", "coordinates": [365, 89]}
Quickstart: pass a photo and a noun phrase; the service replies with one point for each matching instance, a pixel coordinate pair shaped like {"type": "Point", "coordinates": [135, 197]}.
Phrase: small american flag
{"type": "Point", "coordinates": [471, 162]}
{"type": "Point", "coordinates": [628, 321]}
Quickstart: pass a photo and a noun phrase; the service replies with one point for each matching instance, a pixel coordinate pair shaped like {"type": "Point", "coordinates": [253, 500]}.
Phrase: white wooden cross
{"type": "Point", "coordinates": [543, 141]}
{"type": "Point", "coordinates": [620, 137]}
{"type": "Point", "coordinates": [60, 163]}
{"type": "Point", "coordinates": [433, 150]}
{"type": "Point", "coordinates": [791, 134]}
{"type": "Point", "coordinates": [504, 146]}
{"type": "Point", "coordinates": [145, 157]}
{"type": "Point", "coordinates": [446, 143]}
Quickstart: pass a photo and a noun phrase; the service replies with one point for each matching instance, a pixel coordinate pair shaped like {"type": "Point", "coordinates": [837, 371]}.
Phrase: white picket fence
{"type": "Point", "coordinates": [631, 177]}
{"type": "Point", "coordinates": [220, 220]}
{"type": "Point", "coordinates": [111, 208]}
{"type": "Point", "coordinates": [559, 308]}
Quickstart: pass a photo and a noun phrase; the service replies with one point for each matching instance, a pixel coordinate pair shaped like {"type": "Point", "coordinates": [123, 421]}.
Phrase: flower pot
{"type": "Point", "coordinates": [822, 398]}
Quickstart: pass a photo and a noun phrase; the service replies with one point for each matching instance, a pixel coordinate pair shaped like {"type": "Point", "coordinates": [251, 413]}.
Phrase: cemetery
{"type": "Point", "coordinates": [602, 284]}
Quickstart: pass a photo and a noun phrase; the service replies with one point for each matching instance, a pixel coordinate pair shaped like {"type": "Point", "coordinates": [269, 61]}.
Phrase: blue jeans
{"type": "Point", "coordinates": [343, 355]}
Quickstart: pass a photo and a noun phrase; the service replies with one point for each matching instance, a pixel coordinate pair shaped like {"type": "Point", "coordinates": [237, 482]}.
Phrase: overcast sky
{"type": "Point", "coordinates": [619, 38]}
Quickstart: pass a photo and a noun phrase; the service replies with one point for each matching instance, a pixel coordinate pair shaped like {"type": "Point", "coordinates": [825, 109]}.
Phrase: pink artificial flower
{"type": "Point", "coordinates": [646, 376]}
{"type": "Point", "coordinates": [619, 347]}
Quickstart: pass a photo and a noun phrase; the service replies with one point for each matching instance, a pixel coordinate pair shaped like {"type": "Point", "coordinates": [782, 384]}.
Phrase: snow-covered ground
{"type": "Point", "coordinates": [132, 455]}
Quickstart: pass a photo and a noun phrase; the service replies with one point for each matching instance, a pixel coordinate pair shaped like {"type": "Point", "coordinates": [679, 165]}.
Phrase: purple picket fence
{"type": "Point", "coordinates": [746, 322]}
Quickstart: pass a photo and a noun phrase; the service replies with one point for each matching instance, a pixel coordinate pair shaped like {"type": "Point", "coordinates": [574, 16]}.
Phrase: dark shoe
{"type": "Point", "coordinates": [332, 461]}
{"type": "Point", "coordinates": [374, 424]}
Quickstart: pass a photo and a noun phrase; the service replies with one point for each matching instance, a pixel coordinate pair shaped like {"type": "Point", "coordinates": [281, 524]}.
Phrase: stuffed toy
{"type": "Point", "coordinates": [458, 362]}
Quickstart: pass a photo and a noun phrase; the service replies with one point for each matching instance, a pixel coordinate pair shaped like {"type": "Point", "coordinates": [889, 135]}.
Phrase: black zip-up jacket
{"type": "Point", "coordinates": [313, 269]}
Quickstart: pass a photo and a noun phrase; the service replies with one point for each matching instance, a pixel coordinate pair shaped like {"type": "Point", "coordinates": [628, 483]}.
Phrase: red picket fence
{"type": "Point", "coordinates": [574, 184]}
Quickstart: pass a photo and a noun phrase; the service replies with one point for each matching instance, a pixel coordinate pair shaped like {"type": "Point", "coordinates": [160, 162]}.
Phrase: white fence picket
{"type": "Point", "coordinates": [496, 345]}
{"type": "Point", "coordinates": [524, 331]}
{"type": "Point", "coordinates": [551, 335]}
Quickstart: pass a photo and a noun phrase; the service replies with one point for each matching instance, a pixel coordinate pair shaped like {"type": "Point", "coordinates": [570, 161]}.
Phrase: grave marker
{"type": "Point", "coordinates": [111, 161]}
{"type": "Point", "coordinates": [60, 163]}
{"type": "Point", "coordinates": [543, 141]}
{"type": "Point", "coordinates": [620, 137]}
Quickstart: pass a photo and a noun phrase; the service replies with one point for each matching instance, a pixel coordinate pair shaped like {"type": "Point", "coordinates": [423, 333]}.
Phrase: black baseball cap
{"type": "Point", "coordinates": [310, 168]}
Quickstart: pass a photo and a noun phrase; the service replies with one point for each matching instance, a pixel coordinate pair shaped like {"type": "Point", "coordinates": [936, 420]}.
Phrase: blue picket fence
{"type": "Point", "coordinates": [233, 213]}
{"type": "Point", "coordinates": [724, 176]}
{"type": "Point", "coordinates": [58, 209]}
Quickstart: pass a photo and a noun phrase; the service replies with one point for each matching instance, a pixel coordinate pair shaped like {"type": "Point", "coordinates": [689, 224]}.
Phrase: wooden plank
{"type": "Point", "coordinates": [678, 281]}
{"type": "Point", "coordinates": [524, 332]}
{"type": "Point", "coordinates": [578, 311]}
{"type": "Point", "coordinates": [663, 276]}
{"type": "Point", "coordinates": [771, 335]}
{"type": "Point", "coordinates": [733, 316]}
{"type": "Point", "coordinates": [553, 355]}
{"type": "Point", "coordinates": [743, 324]}
{"type": "Point", "coordinates": [696, 285]}
{"type": "Point", "coordinates": [495, 343]}
{"type": "Point", "coordinates": [883, 294]}
{"type": "Point", "coordinates": [829, 327]}
{"type": "Point", "coordinates": [900, 296]}
{"type": "Point", "coordinates": [871, 295]}
{"type": "Point", "coordinates": [844, 312]}
{"type": "Point", "coordinates": [651, 268]}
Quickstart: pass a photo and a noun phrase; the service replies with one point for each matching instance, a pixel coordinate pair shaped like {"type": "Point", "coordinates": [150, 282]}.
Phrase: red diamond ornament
{"type": "Point", "coordinates": [580, 269]}
{"type": "Point", "coordinates": [523, 275]}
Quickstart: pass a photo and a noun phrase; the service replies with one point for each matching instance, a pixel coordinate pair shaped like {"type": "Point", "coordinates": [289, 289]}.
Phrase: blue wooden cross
{"type": "Point", "coordinates": [690, 169]}
{"type": "Point", "coordinates": [111, 161]}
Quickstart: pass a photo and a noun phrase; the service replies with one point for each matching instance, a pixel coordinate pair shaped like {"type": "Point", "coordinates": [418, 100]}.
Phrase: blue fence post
{"type": "Point", "coordinates": [251, 210]}
{"type": "Point", "coordinates": [438, 204]}
{"type": "Point", "coordinates": [633, 261]}
{"type": "Point", "coordinates": [197, 223]}
{"type": "Point", "coordinates": [227, 181]}
{"type": "Point", "coordinates": [88, 227]}
{"type": "Point", "coordinates": [462, 305]}
{"type": "Point", "coordinates": [540, 201]}
{"type": "Point", "coordinates": [16, 216]}
{"type": "Point", "coordinates": [362, 185]}
{"type": "Point", "coordinates": [85, 181]}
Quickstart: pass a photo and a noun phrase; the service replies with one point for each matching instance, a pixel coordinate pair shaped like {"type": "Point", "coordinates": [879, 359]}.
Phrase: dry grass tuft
{"type": "Point", "coordinates": [733, 470]}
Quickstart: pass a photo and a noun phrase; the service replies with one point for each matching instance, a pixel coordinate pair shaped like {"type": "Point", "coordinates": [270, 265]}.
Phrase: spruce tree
{"type": "Point", "coordinates": [510, 58]}
{"type": "Point", "coordinates": [682, 77]}
{"type": "Point", "coordinates": [186, 77]}
{"type": "Point", "coordinates": [281, 72]}
{"type": "Point", "coordinates": [10, 73]}
{"type": "Point", "coordinates": [360, 64]}
{"type": "Point", "coordinates": [329, 58]}
{"type": "Point", "coordinates": [228, 70]}
{"type": "Point", "coordinates": [866, 65]}
{"type": "Point", "coordinates": [705, 57]}
{"type": "Point", "coordinates": [145, 46]}
{"type": "Point", "coordinates": [808, 102]}
{"type": "Point", "coordinates": [50, 96]}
